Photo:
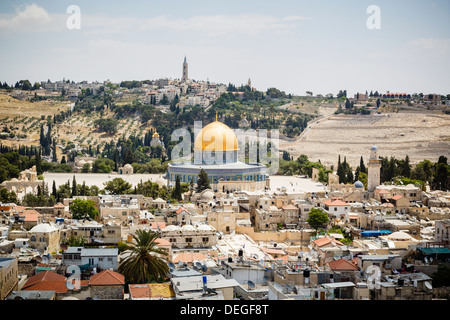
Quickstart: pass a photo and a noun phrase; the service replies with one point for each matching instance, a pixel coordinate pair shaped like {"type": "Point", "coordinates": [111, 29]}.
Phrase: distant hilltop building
{"type": "Point", "coordinates": [185, 76]}
{"type": "Point", "coordinates": [156, 140]}
{"type": "Point", "coordinates": [396, 95]}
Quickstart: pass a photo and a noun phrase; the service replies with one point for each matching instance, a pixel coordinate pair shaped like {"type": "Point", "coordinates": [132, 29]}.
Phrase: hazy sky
{"type": "Point", "coordinates": [296, 46]}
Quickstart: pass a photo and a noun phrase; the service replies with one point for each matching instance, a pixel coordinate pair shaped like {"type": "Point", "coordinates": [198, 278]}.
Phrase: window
{"type": "Point", "coordinates": [172, 240]}
{"type": "Point", "coordinates": [335, 209]}
{"type": "Point", "coordinates": [188, 239]}
{"type": "Point", "coordinates": [205, 239]}
{"type": "Point", "coordinates": [110, 259]}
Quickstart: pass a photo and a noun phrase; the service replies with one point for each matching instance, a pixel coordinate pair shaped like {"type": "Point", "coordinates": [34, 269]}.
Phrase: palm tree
{"type": "Point", "coordinates": [145, 262]}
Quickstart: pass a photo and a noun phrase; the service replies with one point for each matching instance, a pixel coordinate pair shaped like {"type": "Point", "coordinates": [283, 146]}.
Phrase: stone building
{"type": "Point", "coordinates": [27, 182]}
{"type": "Point", "coordinates": [44, 237]}
{"type": "Point", "coordinates": [189, 236]}
{"type": "Point", "coordinates": [8, 276]}
{"type": "Point", "coordinates": [126, 169]}
{"type": "Point", "coordinates": [107, 285]}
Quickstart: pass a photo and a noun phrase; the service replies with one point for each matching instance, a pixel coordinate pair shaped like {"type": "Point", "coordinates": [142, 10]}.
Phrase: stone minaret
{"type": "Point", "coordinates": [185, 70]}
{"type": "Point", "coordinates": [373, 170]}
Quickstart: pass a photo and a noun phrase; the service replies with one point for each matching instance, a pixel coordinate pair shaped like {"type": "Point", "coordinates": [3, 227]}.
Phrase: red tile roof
{"type": "Point", "coordinates": [342, 264]}
{"type": "Point", "coordinates": [46, 281]}
{"type": "Point", "coordinates": [151, 291]}
{"type": "Point", "coordinates": [31, 215]}
{"type": "Point", "coordinates": [397, 197]}
{"type": "Point", "coordinates": [335, 203]}
{"type": "Point", "coordinates": [162, 242]}
{"type": "Point", "coordinates": [154, 225]}
{"type": "Point", "coordinates": [107, 278]}
{"type": "Point", "coordinates": [325, 241]}
{"type": "Point", "coordinates": [189, 257]}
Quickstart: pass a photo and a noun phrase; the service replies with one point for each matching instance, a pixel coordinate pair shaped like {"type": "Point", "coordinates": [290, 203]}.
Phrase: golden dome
{"type": "Point", "coordinates": [216, 136]}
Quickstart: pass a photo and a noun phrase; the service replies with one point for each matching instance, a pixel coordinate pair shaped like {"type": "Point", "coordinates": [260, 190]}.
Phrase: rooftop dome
{"type": "Point", "coordinates": [205, 227]}
{"type": "Point", "coordinates": [207, 195]}
{"type": "Point", "coordinates": [400, 236]}
{"type": "Point", "coordinates": [187, 227]}
{"type": "Point", "coordinates": [171, 228]}
{"type": "Point", "coordinates": [160, 181]}
{"type": "Point", "coordinates": [43, 227]}
{"type": "Point", "coordinates": [374, 148]}
{"type": "Point", "coordinates": [128, 166]}
{"type": "Point", "coordinates": [216, 136]}
{"type": "Point", "coordinates": [359, 184]}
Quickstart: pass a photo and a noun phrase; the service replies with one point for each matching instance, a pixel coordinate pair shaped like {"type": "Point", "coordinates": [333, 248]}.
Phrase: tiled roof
{"type": "Point", "coordinates": [154, 225]}
{"type": "Point", "coordinates": [31, 215]}
{"type": "Point", "coordinates": [325, 241]}
{"type": "Point", "coordinates": [189, 257]}
{"type": "Point", "coordinates": [151, 290]}
{"type": "Point", "coordinates": [397, 197]}
{"type": "Point", "coordinates": [162, 242]}
{"type": "Point", "coordinates": [342, 264]}
{"type": "Point", "coordinates": [289, 207]}
{"type": "Point", "coordinates": [46, 281]}
{"type": "Point", "coordinates": [336, 202]}
{"type": "Point", "coordinates": [107, 278]}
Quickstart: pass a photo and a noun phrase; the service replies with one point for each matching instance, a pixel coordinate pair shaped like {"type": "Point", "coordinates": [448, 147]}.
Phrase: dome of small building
{"type": "Point", "coordinates": [359, 185]}
{"type": "Point", "coordinates": [161, 181]}
{"type": "Point", "coordinates": [171, 228]}
{"type": "Point", "coordinates": [128, 166]}
{"type": "Point", "coordinates": [207, 195]}
{"type": "Point", "coordinates": [43, 228]}
{"type": "Point", "coordinates": [374, 148]}
{"type": "Point", "coordinates": [205, 227]}
{"type": "Point", "coordinates": [399, 236]}
{"type": "Point", "coordinates": [187, 227]}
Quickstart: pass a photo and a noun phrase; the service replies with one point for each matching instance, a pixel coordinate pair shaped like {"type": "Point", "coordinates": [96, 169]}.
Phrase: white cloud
{"type": "Point", "coordinates": [211, 25]}
{"type": "Point", "coordinates": [26, 18]}
{"type": "Point", "coordinates": [431, 43]}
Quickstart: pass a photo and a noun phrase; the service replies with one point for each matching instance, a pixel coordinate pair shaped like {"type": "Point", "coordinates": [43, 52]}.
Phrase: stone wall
{"type": "Point", "coordinates": [107, 292]}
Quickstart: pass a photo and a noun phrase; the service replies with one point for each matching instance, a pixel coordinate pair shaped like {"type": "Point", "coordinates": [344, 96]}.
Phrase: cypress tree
{"type": "Point", "coordinates": [54, 189]}
{"type": "Point", "coordinates": [202, 181]}
{"type": "Point", "coordinates": [176, 193]}
{"type": "Point", "coordinates": [74, 186]}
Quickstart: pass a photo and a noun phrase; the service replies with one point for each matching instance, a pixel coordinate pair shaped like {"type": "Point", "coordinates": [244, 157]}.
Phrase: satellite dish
{"type": "Point", "coordinates": [171, 265]}
{"type": "Point", "coordinates": [428, 285]}
{"type": "Point", "coordinates": [251, 285]}
{"type": "Point", "coordinates": [431, 259]}
{"type": "Point", "coordinates": [426, 260]}
{"type": "Point", "coordinates": [204, 268]}
{"type": "Point", "coordinates": [199, 265]}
